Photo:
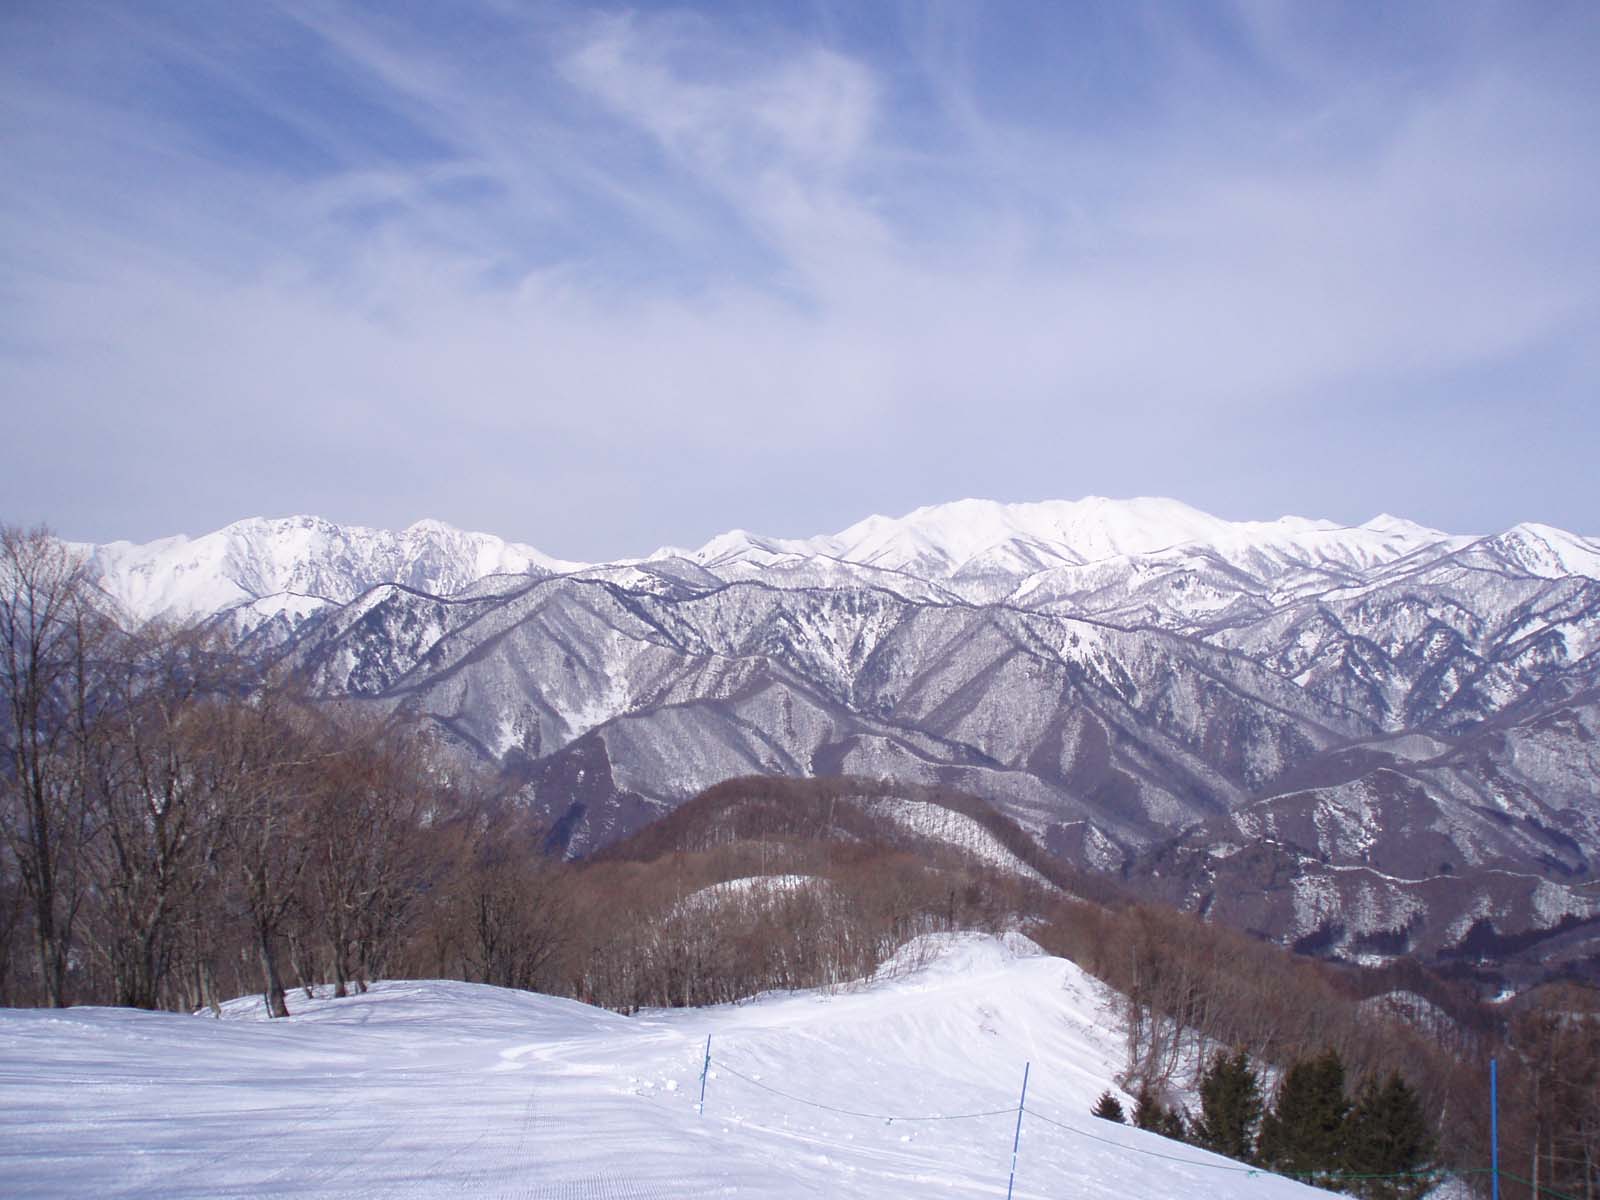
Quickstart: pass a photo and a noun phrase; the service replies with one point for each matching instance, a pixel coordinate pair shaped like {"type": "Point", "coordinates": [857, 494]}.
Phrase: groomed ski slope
{"type": "Point", "coordinates": [451, 1089]}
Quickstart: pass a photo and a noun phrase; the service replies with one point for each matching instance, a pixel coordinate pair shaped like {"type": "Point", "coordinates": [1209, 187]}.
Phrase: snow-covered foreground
{"type": "Point", "coordinates": [450, 1089]}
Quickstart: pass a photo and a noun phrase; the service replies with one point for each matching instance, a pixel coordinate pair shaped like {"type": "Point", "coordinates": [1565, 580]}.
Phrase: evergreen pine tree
{"type": "Point", "coordinates": [1305, 1132]}
{"type": "Point", "coordinates": [1388, 1135]}
{"type": "Point", "coordinates": [1230, 1107]}
{"type": "Point", "coordinates": [1146, 1112]}
{"type": "Point", "coordinates": [1149, 1113]}
{"type": "Point", "coordinates": [1109, 1108]}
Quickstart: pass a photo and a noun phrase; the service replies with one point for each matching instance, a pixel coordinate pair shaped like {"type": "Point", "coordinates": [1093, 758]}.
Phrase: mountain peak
{"type": "Point", "coordinates": [1391, 524]}
{"type": "Point", "coordinates": [1545, 551]}
{"type": "Point", "coordinates": [258, 557]}
{"type": "Point", "coordinates": [977, 539]}
{"type": "Point", "coordinates": [993, 534]}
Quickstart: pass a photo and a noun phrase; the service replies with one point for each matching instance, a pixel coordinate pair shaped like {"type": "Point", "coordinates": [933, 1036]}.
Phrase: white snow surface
{"type": "Point", "coordinates": [450, 1089]}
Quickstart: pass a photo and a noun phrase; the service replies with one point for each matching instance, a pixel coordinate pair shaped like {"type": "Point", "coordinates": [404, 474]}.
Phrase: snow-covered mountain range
{"type": "Point", "coordinates": [1359, 739]}
{"type": "Point", "coordinates": [970, 548]}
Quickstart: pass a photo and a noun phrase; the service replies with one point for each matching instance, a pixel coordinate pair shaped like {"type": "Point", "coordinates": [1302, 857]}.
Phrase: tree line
{"type": "Point", "coordinates": [1377, 1144]}
{"type": "Point", "coordinates": [181, 825]}
{"type": "Point", "coordinates": [1187, 987]}
{"type": "Point", "coordinates": [178, 825]}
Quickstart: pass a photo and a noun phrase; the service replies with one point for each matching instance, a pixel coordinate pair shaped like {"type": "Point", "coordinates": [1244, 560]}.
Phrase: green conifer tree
{"type": "Point", "coordinates": [1171, 1125]}
{"type": "Point", "coordinates": [1146, 1111]}
{"type": "Point", "coordinates": [1389, 1136]}
{"type": "Point", "coordinates": [1305, 1132]}
{"type": "Point", "coordinates": [1230, 1107]}
{"type": "Point", "coordinates": [1109, 1108]}
{"type": "Point", "coordinates": [1149, 1113]}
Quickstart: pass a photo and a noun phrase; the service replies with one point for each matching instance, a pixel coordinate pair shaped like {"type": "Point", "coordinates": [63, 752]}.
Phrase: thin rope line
{"type": "Point", "coordinates": [1192, 1162]}
{"type": "Point", "coordinates": [1543, 1191]}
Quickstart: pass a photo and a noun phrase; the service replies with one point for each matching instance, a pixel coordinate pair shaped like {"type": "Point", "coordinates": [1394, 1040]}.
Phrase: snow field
{"type": "Point", "coordinates": [450, 1089]}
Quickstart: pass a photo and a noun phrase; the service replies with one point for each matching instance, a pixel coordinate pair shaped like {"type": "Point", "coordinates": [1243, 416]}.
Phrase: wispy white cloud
{"type": "Point", "coordinates": [523, 271]}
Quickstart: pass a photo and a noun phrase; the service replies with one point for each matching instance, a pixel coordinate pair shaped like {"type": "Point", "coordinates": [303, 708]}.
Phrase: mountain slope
{"type": "Point", "coordinates": [1058, 720]}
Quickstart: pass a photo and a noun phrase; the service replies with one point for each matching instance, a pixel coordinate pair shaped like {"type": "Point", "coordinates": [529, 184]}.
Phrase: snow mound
{"type": "Point", "coordinates": [935, 956]}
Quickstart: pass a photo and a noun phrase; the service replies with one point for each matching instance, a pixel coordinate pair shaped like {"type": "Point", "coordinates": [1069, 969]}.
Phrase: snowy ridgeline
{"type": "Point", "coordinates": [1033, 555]}
{"type": "Point", "coordinates": [451, 1089]}
{"type": "Point", "coordinates": [940, 824]}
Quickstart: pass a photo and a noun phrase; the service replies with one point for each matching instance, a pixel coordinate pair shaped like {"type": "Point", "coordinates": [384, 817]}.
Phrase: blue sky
{"type": "Point", "coordinates": [605, 278]}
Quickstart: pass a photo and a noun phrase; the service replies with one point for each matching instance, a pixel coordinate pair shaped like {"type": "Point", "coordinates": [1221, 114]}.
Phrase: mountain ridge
{"type": "Point", "coordinates": [1292, 726]}
{"type": "Point", "coordinates": [961, 543]}
{"type": "Point", "coordinates": [304, 556]}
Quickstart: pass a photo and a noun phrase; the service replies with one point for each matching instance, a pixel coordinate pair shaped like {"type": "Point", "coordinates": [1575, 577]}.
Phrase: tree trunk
{"type": "Point", "coordinates": [138, 967]}
{"type": "Point", "coordinates": [277, 1001]}
{"type": "Point", "coordinates": [340, 972]}
{"type": "Point", "coordinates": [303, 960]}
{"type": "Point", "coordinates": [52, 964]}
{"type": "Point", "coordinates": [208, 988]}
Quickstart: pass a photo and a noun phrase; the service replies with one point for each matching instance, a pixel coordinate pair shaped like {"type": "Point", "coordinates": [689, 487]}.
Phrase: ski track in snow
{"type": "Point", "coordinates": [437, 1089]}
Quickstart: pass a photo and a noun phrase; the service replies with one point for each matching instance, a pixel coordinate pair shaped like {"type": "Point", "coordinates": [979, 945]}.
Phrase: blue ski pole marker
{"type": "Point", "coordinates": [1017, 1139]}
{"type": "Point", "coordinates": [1494, 1124]}
{"type": "Point", "coordinates": [705, 1070]}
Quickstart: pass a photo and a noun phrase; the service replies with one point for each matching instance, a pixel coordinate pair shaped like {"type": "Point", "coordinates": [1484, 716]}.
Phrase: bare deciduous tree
{"type": "Point", "coordinates": [362, 879]}
{"type": "Point", "coordinates": [158, 818]}
{"type": "Point", "coordinates": [260, 767]}
{"type": "Point", "coordinates": [48, 631]}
